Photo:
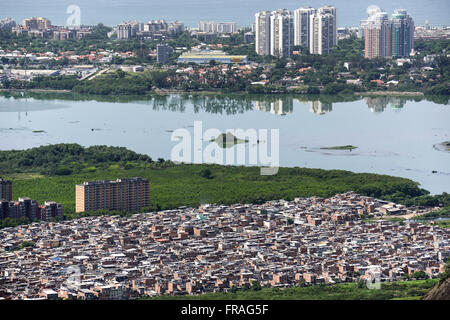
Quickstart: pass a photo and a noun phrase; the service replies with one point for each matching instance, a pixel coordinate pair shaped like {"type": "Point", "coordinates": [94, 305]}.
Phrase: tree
{"type": "Point", "coordinates": [25, 244]}
{"type": "Point", "coordinates": [256, 286]}
{"type": "Point", "coordinates": [63, 171]}
{"type": "Point", "coordinates": [120, 73]}
{"type": "Point", "coordinates": [159, 78]}
{"type": "Point", "coordinates": [64, 61]}
{"type": "Point", "coordinates": [446, 274]}
{"type": "Point", "coordinates": [206, 173]}
{"type": "Point", "coordinates": [334, 88]}
{"type": "Point", "coordinates": [117, 60]}
{"type": "Point", "coordinates": [362, 284]}
{"type": "Point", "coordinates": [420, 275]}
{"type": "Point", "coordinates": [313, 90]}
{"type": "Point", "coordinates": [439, 89]}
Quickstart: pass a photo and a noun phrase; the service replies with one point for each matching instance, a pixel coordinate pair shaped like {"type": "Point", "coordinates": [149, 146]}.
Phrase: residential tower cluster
{"type": "Point", "coordinates": [276, 32]}
{"type": "Point", "coordinates": [43, 28]}
{"type": "Point", "coordinates": [26, 208]}
{"type": "Point", "coordinates": [152, 30]}
{"type": "Point", "coordinates": [388, 37]}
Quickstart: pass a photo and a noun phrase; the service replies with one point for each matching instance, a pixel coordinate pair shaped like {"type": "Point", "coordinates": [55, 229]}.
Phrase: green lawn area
{"type": "Point", "coordinates": [184, 185]}
{"type": "Point", "coordinates": [404, 290]}
{"type": "Point", "coordinates": [443, 224]}
{"type": "Point", "coordinates": [50, 173]}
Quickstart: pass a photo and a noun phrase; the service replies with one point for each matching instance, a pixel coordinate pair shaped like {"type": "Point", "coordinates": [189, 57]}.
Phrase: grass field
{"type": "Point", "coordinates": [404, 290]}
{"type": "Point", "coordinates": [50, 173]}
{"type": "Point", "coordinates": [184, 185]}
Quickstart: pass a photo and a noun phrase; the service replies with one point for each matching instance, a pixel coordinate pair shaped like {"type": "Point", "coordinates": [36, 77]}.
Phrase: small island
{"type": "Point", "coordinates": [227, 140]}
{"type": "Point", "coordinates": [347, 147]}
{"type": "Point", "coordinates": [443, 146]}
{"type": "Point", "coordinates": [38, 131]}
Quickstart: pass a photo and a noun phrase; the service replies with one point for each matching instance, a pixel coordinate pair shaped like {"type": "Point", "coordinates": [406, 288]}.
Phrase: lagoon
{"type": "Point", "coordinates": [393, 136]}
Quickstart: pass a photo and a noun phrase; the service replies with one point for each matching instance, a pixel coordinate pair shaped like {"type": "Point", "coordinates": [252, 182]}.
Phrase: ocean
{"type": "Point", "coordinates": [112, 12]}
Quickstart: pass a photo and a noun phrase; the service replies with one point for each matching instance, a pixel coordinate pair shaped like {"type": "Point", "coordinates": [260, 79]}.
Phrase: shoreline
{"type": "Point", "coordinates": [219, 92]}
{"type": "Point", "coordinates": [36, 90]}
{"type": "Point", "coordinates": [391, 93]}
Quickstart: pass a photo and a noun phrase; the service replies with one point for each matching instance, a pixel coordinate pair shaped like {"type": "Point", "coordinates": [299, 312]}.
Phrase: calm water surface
{"type": "Point", "coordinates": [394, 136]}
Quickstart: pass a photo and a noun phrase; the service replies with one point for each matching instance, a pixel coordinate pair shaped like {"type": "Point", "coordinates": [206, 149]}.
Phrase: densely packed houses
{"type": "Point", "coordinates": [215, 247]}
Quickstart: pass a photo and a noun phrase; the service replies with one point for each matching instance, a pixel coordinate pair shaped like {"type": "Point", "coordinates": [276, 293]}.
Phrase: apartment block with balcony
{"type": "Point", "coordinates": [28, 208]}
{"type": "Point", "coordinates": [130, 194]}
{"type": "Point", "coordinates": [388, 37]}
{"type": "Point", "coordinates": [5, 190]}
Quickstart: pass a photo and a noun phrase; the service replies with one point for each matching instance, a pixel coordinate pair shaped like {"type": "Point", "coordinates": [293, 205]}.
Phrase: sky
{"type": "Point", "coordinates": [112, 12]}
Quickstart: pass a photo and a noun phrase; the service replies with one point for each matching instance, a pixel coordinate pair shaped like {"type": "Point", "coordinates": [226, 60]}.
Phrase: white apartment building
{"type": "Point", "coordinates": [281, 33]}
{"type": "Point", "coordinates": [333, 11]}
{"type": "Point", "coordinates": [302, 19]}
{"type": "Point", "coordinates": [217, 27]}
{"type": "Point", "coordinates": [323, 32]}
{"type": "Point", "coordinates": [262, 32]}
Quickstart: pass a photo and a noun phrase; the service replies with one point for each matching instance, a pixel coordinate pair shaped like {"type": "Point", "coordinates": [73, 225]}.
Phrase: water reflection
{"type": "Point", "coordinates": [213, 103]}
{"type": "Point", "coordinates": [228, 104]}
{"type": "Point", "coordinates": [306, 123]}
{"type": "Point", "coordinates": [397, 103]}
{"type": "Point", "coordinates": [28, 104]}
{"type": "Point", "coordinates": [319, 107]}
{"type": "Point", "coordinates": [277, 105]}
{"type": "Point", "coordinates": [280, 107]}
{"type": "Point", "coordinates": [378, 104]}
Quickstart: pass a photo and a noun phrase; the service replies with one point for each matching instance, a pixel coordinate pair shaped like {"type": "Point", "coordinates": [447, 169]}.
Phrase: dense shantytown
{"type": "Point", "coordinates": [212, 248]}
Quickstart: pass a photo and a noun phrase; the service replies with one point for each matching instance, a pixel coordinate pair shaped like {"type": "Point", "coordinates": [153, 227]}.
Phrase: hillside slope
{"type": "Point", "coordinates": [441, 291]}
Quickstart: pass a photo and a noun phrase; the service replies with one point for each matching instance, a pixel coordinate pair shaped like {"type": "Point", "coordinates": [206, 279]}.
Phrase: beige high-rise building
{"type": "Point", "coordinates": [130, 194]}
{"type": "Point", "coordinates": [37, 23]}
{"type": "Point", "coordinates": [377, 36]}
{"type": "Point", "coordinates": [388, 37]}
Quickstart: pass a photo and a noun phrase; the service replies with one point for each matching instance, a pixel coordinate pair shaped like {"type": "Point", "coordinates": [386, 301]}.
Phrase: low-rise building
{"type": "Point", "coordinates": [205, 57]}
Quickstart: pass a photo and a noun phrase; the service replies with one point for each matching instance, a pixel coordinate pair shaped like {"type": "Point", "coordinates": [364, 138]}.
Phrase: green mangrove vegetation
{"type": "Point", "coordinates": [402, 290]}
{"type": "Point", "coordinates": [346, 147]}
{"type": "Point", "coordinates": [51, 173]}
